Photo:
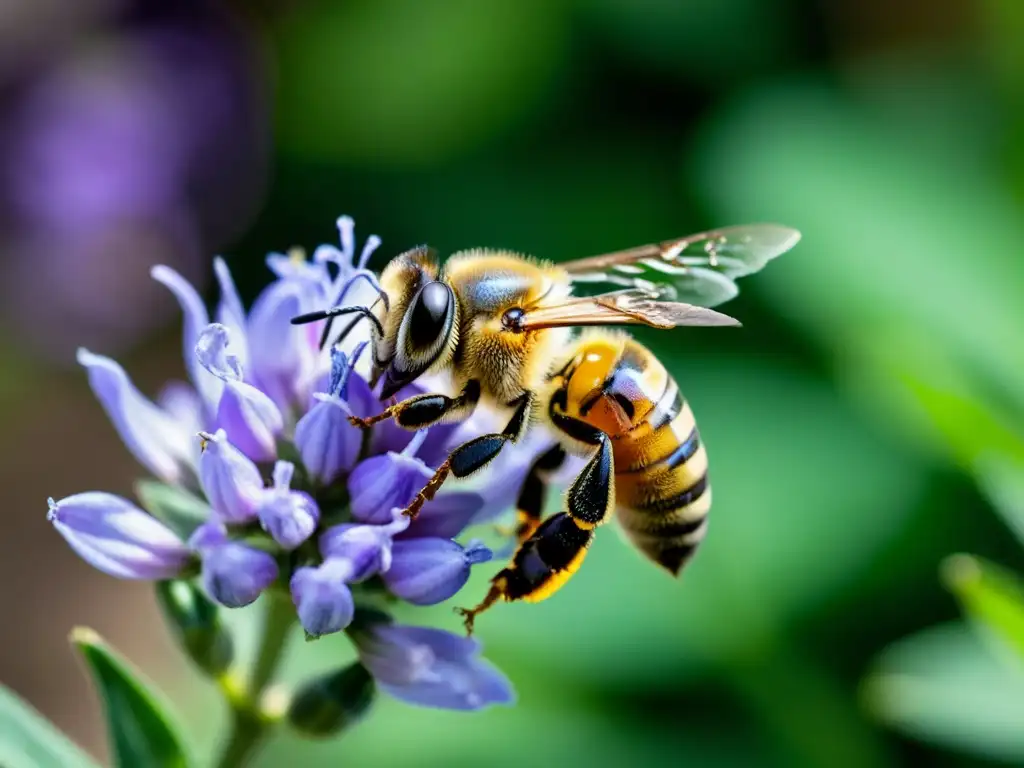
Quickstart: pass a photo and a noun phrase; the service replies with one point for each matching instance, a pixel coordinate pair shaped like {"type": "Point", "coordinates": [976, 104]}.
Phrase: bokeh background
{"type": "Point", "coordinates": [864, 424]}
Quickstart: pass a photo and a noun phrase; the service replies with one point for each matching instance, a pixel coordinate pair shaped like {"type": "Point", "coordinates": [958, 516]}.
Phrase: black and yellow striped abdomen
{"type": "Point", "coordinates": [661, 483]}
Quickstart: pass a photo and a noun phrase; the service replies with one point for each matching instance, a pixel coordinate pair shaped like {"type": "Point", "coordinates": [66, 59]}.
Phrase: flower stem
{"type": "Point", "coordinates": [250, 722]}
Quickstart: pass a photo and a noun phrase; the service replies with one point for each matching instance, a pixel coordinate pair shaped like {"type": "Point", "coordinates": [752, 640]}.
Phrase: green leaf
{"type": "Point", "coordinates": [1001, 479]}
{"type": "Point", "coordinates": [28, 740]}
{"type": "Point", "coordinates": [990, 595]}
{"type": "Point", "coordinates": [943, 686]}
{"type": "Point", "coordinates": [141, 732]}
{"type": "Point", "coordinates": [179, 510]}
{"type": "Point", "coordinates": [196, 623]}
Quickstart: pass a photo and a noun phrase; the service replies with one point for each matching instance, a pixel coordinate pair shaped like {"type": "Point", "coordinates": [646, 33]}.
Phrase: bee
{"type": "Point", "coordinates": [532, 338]}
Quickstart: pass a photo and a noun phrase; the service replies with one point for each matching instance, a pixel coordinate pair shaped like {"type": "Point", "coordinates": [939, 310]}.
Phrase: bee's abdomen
{"type": "Point", "coordinates": [661, 482]}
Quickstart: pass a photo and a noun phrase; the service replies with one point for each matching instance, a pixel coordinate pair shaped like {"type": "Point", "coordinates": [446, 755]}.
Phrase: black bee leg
{"type": "Point", "coordinates": [540, 567]}
{"type": "Point", "coordinates": [591, 497]}
{"type": "Point", "coordinates": [422, 411]}
{"type": "Point", "coordinates": [474, 454]}
{"type": "Point", "coordinates": [554, 552]}
{"type": "Point", "coordinates": [533, 492]}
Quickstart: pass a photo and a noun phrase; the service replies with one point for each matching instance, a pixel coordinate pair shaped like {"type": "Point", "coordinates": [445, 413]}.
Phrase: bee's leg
{"type": "Point", "coordinates": [474, 454]}
{"type": "Point", "coordinates": [553, 553]}
{"type": "Point", "coordinates": [422, 411]}
{"type": "Point", "coordinates": [532, 493]}
{"type": "Point", "coordinates": [591, 497]}
{"type": "Point", "coordinates": [540, 567]}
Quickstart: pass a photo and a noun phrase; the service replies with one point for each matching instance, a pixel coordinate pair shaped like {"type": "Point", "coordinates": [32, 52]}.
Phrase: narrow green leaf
{"type": "Point", "coordinates": [28, 740]}
{"type": "Point", "coordinates": [179, 510]}
{"type": "Point", "coordinates": [1001, 478]}
{"type": "Point", "coordinates": [141, 732]}
{"type": "Point", "coordinates": [943, 685]}
{"type": "Point", "coordinates": [990, 595]}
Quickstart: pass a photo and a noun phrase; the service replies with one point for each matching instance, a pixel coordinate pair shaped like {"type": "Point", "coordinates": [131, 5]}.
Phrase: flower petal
{"type": "Point", "coordinates": [282, 360]}
{"type": "Point", "coordinates": [251, 419]}
{"type": "Point", "coordinates": [431, 667]}
{"type": "Point", "coordinates": [160, 443]}
{"type": "Point", "coordinates": [367, 548]}
{"type": "Point", "coordinates": [322, 599]}
{"type": "Point", "coordinates": [230, 312]}
{"type": "Point", "coordinates": [446, 515]}
{"type": "Point", "coordinates": [383, 483]}
{"type": "Point", "coordinates": [118, 538]}
{"type": "Point", "coordinates": [429, 571]}
{"type": "Point", "coordinates": [181, 403]}
{"type": "Point", "coordinates": [196, 318]}
{"type": "Point", "coordinates": [231, 482]}
{"type": "Point", "coordinates": [211, 351]}
{"type": "Point", "coordinates": [328, 443]}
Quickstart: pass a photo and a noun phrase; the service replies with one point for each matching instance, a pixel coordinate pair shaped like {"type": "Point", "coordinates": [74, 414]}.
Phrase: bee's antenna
{"type": "Point", "coordinates": [328, 314]}
{"type": "Point", "coordinates": [368, 277]}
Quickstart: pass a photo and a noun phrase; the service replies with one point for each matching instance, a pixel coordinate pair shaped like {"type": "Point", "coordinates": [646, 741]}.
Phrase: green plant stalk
{"type": "Point", "coordinates": [250, 722]}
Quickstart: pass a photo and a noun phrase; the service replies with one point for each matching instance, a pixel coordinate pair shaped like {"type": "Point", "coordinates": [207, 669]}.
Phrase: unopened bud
{"type": "Point", "coordinates": [195, 621]}
{"type": "Point", "coordinates": [329, 704]}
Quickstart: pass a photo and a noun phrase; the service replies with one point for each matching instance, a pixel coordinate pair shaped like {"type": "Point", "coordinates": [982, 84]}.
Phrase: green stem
{"type": "Point", "coordinates": [250, 723]}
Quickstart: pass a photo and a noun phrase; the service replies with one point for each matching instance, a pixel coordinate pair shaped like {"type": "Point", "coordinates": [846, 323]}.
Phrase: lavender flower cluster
{"type": "Point", "coordinates": [265, 403]}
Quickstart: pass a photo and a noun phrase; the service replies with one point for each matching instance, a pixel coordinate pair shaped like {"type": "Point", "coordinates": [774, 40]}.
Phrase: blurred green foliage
{"type": "Point", "coordinates": [866, 422]}
{"type": "Point", "coordinates": [879, 365]}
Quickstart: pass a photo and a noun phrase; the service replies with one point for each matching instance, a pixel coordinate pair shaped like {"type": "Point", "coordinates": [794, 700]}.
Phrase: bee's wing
{"type": "Point", "coordinates": [627, 307]}
{"type": "Point", "coordinates": [700, 269]}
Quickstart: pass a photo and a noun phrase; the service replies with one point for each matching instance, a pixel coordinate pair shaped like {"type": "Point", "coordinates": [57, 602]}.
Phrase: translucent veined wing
{"type": "Point", "coordinates": [632, 306]}
{"type": "Point", "coordinates": [699, 269]}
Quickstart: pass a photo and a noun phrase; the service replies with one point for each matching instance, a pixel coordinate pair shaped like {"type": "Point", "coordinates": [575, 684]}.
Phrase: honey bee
{"type": "Point", "coordinates": [504, 327]}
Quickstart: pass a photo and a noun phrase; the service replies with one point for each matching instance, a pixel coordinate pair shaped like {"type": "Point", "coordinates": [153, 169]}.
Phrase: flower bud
{"type": "Point", "coordinates": [230, 480]}
{"type": "Point", "coordinates": [429, 571]}
{"type": "Point", "coordinates": [195, 621]}
{"type": "Point", "coordinates": [328, 443]}
{"type": "Point", "coordinates": [383, 483]}
{"type": "Point", "coordinates": [332, 703]}
{"type": "Point", "coordinates": [118, 538]}
{"type": "Point", "coordinates": [234, 575]}
{"type": "Point", "coordinates": [289, 516]}
{"type": "Point", "coordinates": [322, 599]}
{"type": "Point", "coordinates": [367, 548]}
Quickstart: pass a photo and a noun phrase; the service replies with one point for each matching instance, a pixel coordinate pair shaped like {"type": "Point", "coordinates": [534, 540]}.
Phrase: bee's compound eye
{"type": "Point", "coordinates": [429, 314]}
{"type": "Point", "coordinates": [511, 319]}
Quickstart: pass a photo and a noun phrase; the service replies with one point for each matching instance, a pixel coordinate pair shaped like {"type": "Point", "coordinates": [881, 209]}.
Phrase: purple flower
{"type": "Point", "coordinates": [231, 482]}
{"type": "Point", "coordinates": [112, 534]}
{"type": "Point", "coordinates": [262, 393]}
{"type": "Point", "coordinates": [429, 571]}
{"type": "Point", "coordinates": [244, 412]}
{"type": "Point", "coordinates": [322, 599]}
{"type": "Point", "coordinates": [289, 516]}
{"type": "Point", "coordinates": [430, 667]}
{"type": "Point", "coordinates": [328, 443]}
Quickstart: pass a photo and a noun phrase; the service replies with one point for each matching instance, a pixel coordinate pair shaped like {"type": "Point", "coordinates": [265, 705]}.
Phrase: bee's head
{"type": "Point", "coordinates": [425, 334]}
{"type": "Point", "coordinates": [420, 327]}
